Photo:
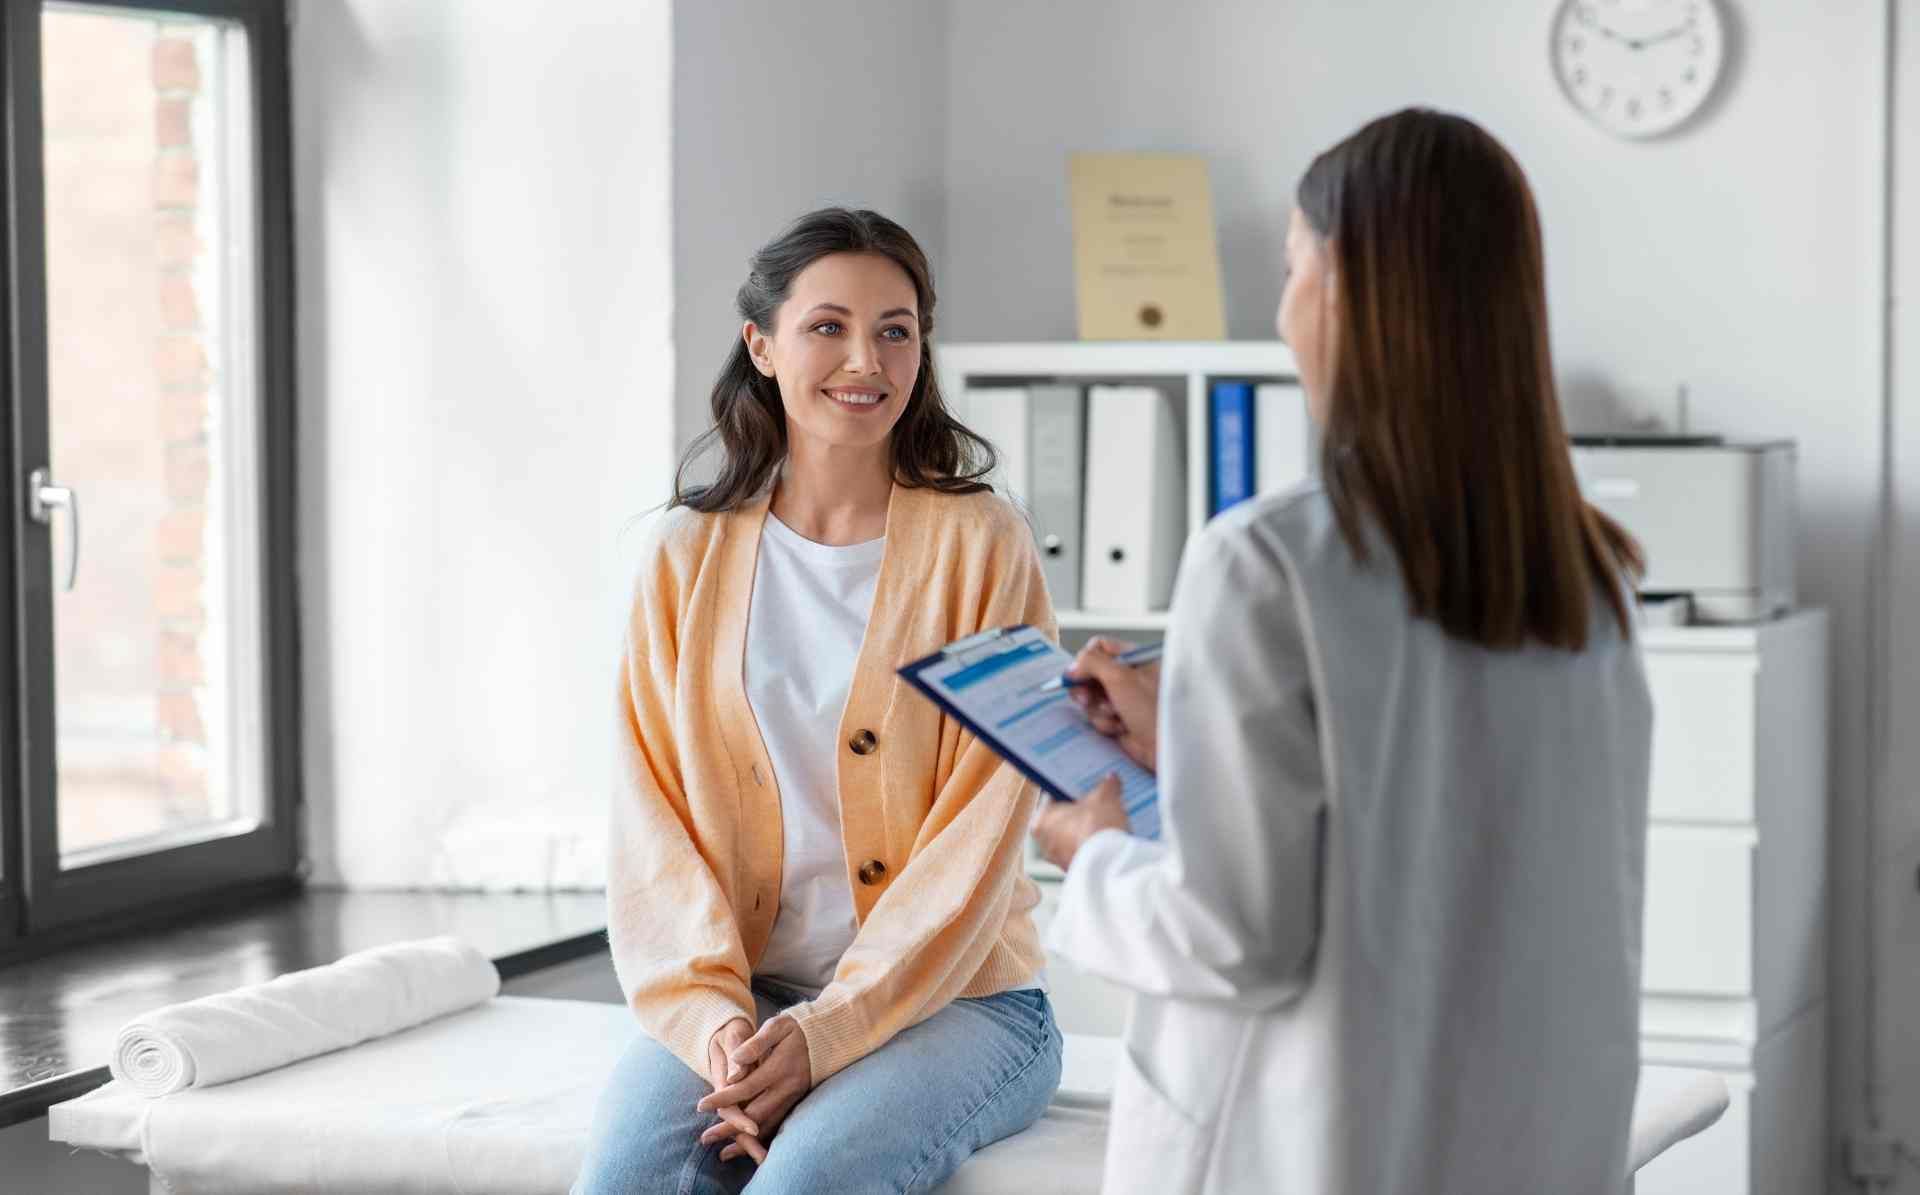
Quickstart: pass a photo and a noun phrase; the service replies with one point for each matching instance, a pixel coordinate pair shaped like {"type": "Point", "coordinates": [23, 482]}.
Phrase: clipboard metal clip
{"type": "Point", "coordinates": [975, 648]}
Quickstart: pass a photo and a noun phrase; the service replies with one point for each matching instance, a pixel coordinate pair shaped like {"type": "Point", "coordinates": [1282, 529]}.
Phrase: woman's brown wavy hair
{"type": "Point", "coordinates": [931, 449]}
{"type": "Point", "coordinates": [1443, 429]}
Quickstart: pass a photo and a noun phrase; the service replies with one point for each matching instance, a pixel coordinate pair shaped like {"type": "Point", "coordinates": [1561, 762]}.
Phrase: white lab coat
{"type": "Point", "coordinates": [1390, 941]}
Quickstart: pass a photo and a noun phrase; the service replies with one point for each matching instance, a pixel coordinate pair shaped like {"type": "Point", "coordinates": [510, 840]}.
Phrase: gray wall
{"type": "Point", "coordinates": [1897, 836]}
{"type": "Point", "coordinates": [779, 108]}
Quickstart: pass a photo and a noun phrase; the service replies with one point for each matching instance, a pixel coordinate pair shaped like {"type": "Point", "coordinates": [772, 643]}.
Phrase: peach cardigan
{"type": "Point", "coordinates": [933, 822]}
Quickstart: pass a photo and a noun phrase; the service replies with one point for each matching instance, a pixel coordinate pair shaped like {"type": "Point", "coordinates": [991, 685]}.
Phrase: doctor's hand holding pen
{"type": "Point", "coordinates": [1123, 703]}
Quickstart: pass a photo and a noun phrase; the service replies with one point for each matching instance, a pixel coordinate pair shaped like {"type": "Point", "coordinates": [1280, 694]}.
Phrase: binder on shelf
{"type": "Point", "coordinates": [1056, 459]}
{"type": "Point", "coordinates": [999, 415]}
{"type": "Point", "coordinates": [1039, 433]}
{"type": "Point", "coordinates": [1283, 436]}
{"type": "Point", "coordinates": [1135, 497]}
{"type": "Point", "coordinates": [1230, 437]}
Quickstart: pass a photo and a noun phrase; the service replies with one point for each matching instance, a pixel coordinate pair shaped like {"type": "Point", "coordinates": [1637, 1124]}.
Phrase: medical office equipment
{"type": "Point", "coordinates": [1715, 517]}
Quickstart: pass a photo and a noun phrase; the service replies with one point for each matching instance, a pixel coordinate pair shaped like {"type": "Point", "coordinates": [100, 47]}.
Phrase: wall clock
{"type": "Point", "coordinates": [1638, 68]}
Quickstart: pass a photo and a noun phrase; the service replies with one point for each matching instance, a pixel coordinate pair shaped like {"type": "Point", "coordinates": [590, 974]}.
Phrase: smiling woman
{"type": "Point", "coordinates": [808, 276]}
{"type": "Point", "coordinates": [816, 902]}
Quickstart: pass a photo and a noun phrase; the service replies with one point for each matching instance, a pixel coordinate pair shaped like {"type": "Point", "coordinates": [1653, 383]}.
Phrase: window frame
{"type": "Point", "coordinates": [40, 904]}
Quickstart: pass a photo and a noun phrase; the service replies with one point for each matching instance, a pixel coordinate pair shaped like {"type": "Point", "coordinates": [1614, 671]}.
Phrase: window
{"type": "Point", "coordinates": [152, 747]}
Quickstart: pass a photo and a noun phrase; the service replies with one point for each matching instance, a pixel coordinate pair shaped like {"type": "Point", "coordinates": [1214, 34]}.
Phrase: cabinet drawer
{"type": "Point", "coordinates": [1698, 928]}
{"type": "Point", "coordinates": [1704, 712]}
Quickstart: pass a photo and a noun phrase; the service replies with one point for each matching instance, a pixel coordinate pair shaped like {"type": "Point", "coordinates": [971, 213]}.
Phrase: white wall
{"type": "Point", "coordinates": [1737, 257]}
{"type": "Point", "coordinates": [482, 203]}
{"type": "Point", "coordinates": [490, 310]}
{"type": "Point", "coordinates": [781, 108]}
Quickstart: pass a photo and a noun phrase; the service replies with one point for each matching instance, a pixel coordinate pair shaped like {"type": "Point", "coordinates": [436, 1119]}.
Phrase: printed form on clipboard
{"type": "Point", "coordinates": [990, 683]}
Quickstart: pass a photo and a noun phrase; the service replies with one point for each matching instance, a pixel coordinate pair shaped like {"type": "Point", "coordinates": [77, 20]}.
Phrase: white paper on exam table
{"type": "Point", "coordinates": [990, 683]}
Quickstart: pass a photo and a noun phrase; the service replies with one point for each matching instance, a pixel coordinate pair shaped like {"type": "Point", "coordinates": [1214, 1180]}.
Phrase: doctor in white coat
{"type": "Point", "coordinates": [1389, 943]}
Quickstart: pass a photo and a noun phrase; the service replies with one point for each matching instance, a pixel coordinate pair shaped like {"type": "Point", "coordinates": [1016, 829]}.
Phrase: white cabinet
{"type": "Point", "coordinates": [1734, 966]}
{"type": "Point", "coordinates": [1699, 922]}
{"type": "Point", "coordinates": [1703, 742]}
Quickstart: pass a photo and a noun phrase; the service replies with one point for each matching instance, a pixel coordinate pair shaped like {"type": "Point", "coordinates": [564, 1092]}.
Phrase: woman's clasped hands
{"type": "Point", "coordinates": [757, 1079]}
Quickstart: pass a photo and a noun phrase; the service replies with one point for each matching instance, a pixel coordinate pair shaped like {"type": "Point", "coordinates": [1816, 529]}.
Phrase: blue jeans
{"type": "Point", "coordinates": [901, 1119]}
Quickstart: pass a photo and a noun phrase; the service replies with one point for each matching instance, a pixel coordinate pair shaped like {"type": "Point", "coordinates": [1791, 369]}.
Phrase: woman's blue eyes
{"type": "Point", "coordinates": [896, 334]}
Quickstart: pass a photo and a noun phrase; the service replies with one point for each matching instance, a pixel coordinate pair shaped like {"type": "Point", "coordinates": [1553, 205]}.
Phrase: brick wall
{"type": "Point", "coordinates": [184, 376]}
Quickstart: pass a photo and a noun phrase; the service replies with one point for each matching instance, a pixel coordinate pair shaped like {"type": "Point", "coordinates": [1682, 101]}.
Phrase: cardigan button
{"type": "Point", "coordinates": [872, 872]}
{"type": "Point", "coordinates": [863, 743]}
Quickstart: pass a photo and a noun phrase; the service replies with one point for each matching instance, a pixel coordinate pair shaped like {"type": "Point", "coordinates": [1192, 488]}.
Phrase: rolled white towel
{"type": "Point", "coordinates": [248, 1030]}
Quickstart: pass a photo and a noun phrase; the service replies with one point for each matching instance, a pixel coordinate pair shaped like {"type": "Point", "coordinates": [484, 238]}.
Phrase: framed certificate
{"type": "Point", "coordinates": [1146, 261]}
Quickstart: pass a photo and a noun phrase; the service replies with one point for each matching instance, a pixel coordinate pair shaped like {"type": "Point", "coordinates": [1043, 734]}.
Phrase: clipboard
{"type": "Point", "coordinates": [988, 683]}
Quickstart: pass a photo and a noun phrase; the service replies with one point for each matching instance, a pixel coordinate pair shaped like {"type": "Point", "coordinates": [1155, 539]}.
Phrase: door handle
{"type": "Point", "coordinates": [43, 498]}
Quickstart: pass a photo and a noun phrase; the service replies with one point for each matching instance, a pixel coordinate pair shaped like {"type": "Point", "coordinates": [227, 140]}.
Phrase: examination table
{"type": "Point", "coordinates": [496, 1100]}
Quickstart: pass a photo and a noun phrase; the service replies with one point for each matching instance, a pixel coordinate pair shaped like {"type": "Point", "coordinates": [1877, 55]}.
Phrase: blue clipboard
{"type": "Point", "coordinates": [987, 682]}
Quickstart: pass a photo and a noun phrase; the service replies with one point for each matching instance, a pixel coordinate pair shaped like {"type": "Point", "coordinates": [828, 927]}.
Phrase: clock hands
{"type": "Point", "coordinates": [1640, 43]}
{"type": "Point", "coordinates": [1669, 35]}
{"type": "Point", "coordinates": [1608, 33]}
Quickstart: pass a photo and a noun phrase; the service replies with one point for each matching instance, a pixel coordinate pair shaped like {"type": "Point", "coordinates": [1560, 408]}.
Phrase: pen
{"type": "Point", "coordinates": [1132, 659]}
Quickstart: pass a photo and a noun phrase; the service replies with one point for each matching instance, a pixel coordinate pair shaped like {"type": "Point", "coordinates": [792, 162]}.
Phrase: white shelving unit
{"type": "Point", "coordinates": [1190, 366]}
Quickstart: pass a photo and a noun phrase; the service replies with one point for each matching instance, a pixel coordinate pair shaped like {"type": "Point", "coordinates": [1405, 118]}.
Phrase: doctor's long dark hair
{"type": "Point", "coordinates": [1443, 427]}
{"type": "Point", "coordinates": [931, 449]}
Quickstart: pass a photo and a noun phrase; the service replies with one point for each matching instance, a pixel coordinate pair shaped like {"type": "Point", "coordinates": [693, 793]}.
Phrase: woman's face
{"type": "Point", "coordinates": [845, 349]}
{"type": "Point", "coordinates": [1305, 320]}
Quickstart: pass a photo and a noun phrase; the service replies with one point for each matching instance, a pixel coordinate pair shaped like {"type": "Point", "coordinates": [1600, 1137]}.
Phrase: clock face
{"type": "Point", "coordinates": [1637, 68]}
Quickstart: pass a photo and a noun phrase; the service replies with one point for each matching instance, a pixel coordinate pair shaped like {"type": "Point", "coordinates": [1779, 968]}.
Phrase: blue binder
{"type": "Point", "coordinates": [1230, 434]}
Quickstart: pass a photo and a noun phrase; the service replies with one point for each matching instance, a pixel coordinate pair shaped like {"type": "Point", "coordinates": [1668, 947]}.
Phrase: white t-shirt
{"type": "Point", "coordinates": [805, 623]}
